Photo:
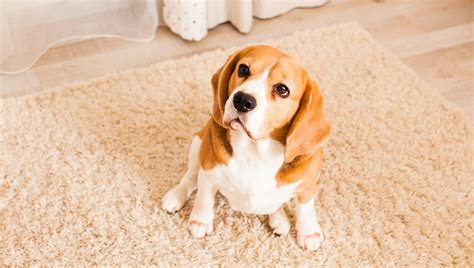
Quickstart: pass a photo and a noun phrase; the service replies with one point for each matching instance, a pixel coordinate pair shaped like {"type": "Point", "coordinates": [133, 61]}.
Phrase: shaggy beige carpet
{"type": "Point", "coordinates": [84, 167]}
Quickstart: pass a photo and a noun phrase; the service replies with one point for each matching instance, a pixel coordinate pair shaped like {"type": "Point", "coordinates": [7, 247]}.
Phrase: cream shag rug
{"type": "Point", "coordinates": [84, 167]}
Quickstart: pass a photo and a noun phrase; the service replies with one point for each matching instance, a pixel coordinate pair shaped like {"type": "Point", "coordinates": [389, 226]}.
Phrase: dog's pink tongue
{"type": "Point", "coordinates": [234, 124]}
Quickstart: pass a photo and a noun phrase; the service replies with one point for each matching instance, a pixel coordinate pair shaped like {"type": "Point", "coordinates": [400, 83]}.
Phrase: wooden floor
{"type": "Point", "coordinates": [433, 37]}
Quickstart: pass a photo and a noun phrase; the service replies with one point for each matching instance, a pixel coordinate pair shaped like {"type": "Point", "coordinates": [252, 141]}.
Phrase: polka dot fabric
{"type": "Point", "coordinates": [192, 18]}
{"type": "Point", "coordinates": [187, 18]}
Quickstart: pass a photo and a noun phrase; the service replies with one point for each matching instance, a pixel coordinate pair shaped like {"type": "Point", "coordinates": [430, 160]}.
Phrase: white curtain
{"type": "Point", "coordinates": [28, 28]}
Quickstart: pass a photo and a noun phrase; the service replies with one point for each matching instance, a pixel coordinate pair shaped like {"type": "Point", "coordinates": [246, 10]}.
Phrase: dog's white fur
{"type": "Point", "coordinates": [248, 180]}
{"type": "Point", "coordinates": [249, 184]}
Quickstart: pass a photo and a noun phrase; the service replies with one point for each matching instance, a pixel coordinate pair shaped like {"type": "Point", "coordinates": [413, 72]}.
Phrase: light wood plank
{"type": "Point", "coordinates": [455, 83]}
{"type": "Point", "coordinates": [432, 41]}
{"type": "Point", "coordinates": [438, 14]}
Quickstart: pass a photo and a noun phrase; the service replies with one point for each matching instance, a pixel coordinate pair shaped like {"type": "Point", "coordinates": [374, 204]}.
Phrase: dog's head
{"type": "Point", "coordinates": [267, 94]}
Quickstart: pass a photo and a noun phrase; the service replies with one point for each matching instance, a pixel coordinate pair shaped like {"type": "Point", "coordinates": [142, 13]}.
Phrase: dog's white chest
{"type": "Point", "coordinates": [248, 181]}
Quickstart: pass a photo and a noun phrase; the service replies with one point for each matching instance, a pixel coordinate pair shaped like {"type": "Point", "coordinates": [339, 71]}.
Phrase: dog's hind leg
{"type": "Point", "coordinates": [175, 198]}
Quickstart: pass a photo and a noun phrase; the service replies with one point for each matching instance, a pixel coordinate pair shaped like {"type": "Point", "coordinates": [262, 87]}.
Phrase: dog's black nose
{"type": "Point", "coordinates": [244, 102]}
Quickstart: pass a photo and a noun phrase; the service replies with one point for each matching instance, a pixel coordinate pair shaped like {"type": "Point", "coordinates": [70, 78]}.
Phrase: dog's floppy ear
{"type": "Point", "coordinates": [220, 85]}
{"type": "Point", "coordinates": [310, 129]}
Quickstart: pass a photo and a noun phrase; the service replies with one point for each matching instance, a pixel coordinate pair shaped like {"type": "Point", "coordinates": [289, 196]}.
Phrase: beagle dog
{"type": "Point", "coordinates": [260, 148]}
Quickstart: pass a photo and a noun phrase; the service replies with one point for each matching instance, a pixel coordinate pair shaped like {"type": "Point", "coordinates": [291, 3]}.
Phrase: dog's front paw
{"type": "Point", "coordinates": [279, 222]}
{"type": "Point", "coordinates": [310, 241]}
{"type": "Point", "coordinates": [199, 229]}
{"type": "Point", "coordinates": [174, 199]}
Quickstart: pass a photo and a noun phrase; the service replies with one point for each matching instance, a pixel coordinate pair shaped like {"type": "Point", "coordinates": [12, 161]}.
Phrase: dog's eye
{"type": "Point", "coordinates": [281, 90]}
{"type": "Point", "coordinates": [244, 70]}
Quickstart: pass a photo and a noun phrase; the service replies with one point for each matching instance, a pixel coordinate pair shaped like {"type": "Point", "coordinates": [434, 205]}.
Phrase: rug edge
{"type": "Point", "coordinates": [351, 24]}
